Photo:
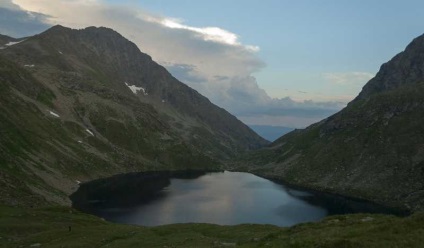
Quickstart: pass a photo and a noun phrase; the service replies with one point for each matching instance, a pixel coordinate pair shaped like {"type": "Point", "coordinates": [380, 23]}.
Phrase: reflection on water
{"type": "Point", "coordinates": [227, 198]}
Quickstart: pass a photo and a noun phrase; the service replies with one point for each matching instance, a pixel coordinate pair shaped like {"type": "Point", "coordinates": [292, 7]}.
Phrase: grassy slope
{"type": "Point", "coordinates": [41, 156]}
{"type": "Point", "coordinates": [49, 228]}
{"type": "Point", "coordinates": [363, 151]}
{"type": "Point", "coordinates": [373, 149]}
{"type": "Point", "coordinates": [80, 76]}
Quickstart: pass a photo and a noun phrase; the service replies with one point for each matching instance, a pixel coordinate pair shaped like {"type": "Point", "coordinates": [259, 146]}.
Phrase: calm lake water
{"type": "Point", "coordinates": [225, 198]}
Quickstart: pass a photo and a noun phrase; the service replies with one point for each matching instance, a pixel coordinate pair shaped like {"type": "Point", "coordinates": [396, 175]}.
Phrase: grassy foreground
{"type": "Point", "coordinates": [49, 227]}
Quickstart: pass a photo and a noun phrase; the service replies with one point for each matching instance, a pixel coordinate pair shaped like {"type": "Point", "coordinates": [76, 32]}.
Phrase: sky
{"type": "Point", "coordinates": [270, 62]}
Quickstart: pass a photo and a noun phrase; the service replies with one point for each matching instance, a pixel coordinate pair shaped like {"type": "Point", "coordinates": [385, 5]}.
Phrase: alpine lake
{"type": "Point", "coordinates": [224, 198]}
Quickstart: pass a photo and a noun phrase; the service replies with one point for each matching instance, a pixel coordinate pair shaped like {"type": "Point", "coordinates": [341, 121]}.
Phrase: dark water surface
{"type": "Point", "coordinates": [225, 198]}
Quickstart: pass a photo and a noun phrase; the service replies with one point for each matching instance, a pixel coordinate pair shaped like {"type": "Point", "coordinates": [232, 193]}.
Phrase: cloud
{"type": "Point", "coordinates": [18, 23]}
{"type": "Point", "coordinates": [212, 60]}
{"type": "Point", "coordinates": [185, 73]}
{"type": "Point", "coordinates": [348, 78]}
{"type": "Point", "coordinates": [214, 51]}
{"type": "Point", "coordinates": [243, 97]}
{"type": "Point", "coordinates": [207, 33]}
{"type": "Point", "coordinates": [9, 5]}
{"type": "Point", "coordinates": [287, 112]}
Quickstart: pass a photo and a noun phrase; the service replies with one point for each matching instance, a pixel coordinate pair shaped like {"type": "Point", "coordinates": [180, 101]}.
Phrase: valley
{"type": "Point", "coordinates": [80, 105]}
{"type": "Point", "coordinates": [372, 149]}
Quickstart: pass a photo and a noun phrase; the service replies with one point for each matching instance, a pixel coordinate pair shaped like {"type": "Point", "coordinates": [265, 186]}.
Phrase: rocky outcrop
{"type": "Point", "coordinates": [405, 68]}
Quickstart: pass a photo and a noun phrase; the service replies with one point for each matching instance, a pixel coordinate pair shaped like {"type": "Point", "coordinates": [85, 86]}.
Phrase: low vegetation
{"type": "Point", "coordinates": [65, 227]}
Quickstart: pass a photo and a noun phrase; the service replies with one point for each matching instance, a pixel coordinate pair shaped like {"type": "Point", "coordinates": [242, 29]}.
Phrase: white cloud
{"type": "Point", "coordinates": [209, 33]}
{"type": "Point", "coordinates": [212, 60]}
{"type": "Point", "coordinates": [348, 78]}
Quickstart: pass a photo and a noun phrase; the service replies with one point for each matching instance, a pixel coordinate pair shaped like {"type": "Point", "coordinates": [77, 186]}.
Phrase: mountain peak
{"type": "Point", "coordinates": [89, 101]}
{"type": "Point", "coordinates": [91, 29]}
{"type": "Point", "coordinates": [406, 67]}
{"type": "Point", "coordinates": [57, 28]}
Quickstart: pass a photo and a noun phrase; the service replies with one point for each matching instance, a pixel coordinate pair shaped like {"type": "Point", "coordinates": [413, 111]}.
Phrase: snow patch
{"type": "Point", "coordinates": [163, 100]}
{"type": "Point", "coordinates": [60, 52]}
{"type": "Point", "coordinates": [88, 131]}
{"type": "Point", "coordinates": [78, 182]}
{"type": "Point", "coordinates": [79, 141]}
{"type": "Point", "coordinates": [11, 43]}
{"type": "Point", "coordinates": [136, 89]}
{"type": "Point", "coordinates": [54, 114]}
{"type": "Point", "coordinates": [30, 66]}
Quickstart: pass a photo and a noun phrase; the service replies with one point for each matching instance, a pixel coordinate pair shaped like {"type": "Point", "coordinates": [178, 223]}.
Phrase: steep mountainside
{"type": "Point", "coordinates": [373, 149]}
{"type": "Point", "coordinates": [82, 104]}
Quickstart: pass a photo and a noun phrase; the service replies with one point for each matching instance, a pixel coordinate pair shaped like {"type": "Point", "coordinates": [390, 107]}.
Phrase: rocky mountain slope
{"type": "Point", "coordinates": [81, 104]}
{"type": "Point", "coordinates": [373, 149]}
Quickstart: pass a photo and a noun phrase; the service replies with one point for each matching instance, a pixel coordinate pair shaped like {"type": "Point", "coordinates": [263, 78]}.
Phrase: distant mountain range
{"type": "Point", "coordinates": [373, 149]}
{"type": "Point", "coordinates": [270, 133]}
{"type": "Point", "coordinates": [77, 105]}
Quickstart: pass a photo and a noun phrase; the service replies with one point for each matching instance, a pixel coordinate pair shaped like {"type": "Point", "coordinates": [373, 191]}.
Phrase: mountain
{"type": "Point", "coordinates": [82, 104]}
{"type": "Point", "coordinates": [373, 149]}
{"type": "Point", "coordinates": [6, 41]}
{"type": "Point", "coordinates": [270, 133]}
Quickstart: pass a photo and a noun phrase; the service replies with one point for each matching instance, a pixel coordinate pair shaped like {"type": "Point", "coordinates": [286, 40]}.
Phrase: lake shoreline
{"type": "Point", "coordinates": [394, 210]}
{"type": "Point", "coordinates": [147, 187]}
